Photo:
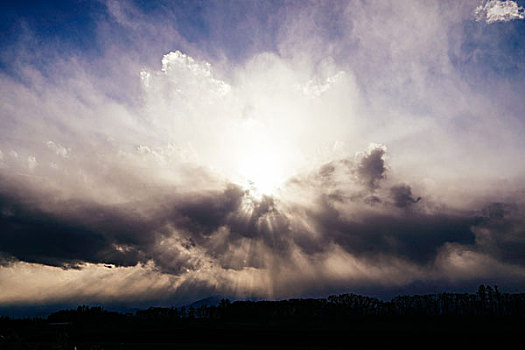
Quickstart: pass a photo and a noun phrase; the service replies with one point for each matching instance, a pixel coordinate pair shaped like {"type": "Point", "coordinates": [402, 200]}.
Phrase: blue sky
{"type": "Point", "coordinates": [157, 152]}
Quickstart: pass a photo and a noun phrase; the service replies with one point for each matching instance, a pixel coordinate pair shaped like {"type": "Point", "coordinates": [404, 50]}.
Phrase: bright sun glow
{"type": "Point", "coordinates": [263, 171]}
{"type": "Point", "coordinates": [261, 157]}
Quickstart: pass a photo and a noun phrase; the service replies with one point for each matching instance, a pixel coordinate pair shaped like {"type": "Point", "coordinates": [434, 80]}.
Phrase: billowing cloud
{"type": "Point", "coordinates": [355, 147]}
{"type": "Point", "coordinates": [402, 196]}
{"type": "Point", "coordinates": [371, 167]}
{"type": "Point", "coordinates": [499, 11]}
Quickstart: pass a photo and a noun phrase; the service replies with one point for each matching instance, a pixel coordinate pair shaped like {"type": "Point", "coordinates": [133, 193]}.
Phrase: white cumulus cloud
{"type": "Point", "coordinates": [498, 11]}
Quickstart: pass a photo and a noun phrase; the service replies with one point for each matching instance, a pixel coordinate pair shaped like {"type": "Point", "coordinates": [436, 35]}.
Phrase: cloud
{"type": "Point", "coordinates": [32, 162]}
{"type": "Point", "coordinates": [314, 89]}
{"type": "Point", "coordinates": [341, 237]}
{"type": "Point", "coordinates": [493, 11]}
{"type": "Point", "coordinates": [371, 167]}
{"type": "Point", "coordinates": [200, 72]}
{"type": "Point", "coordinates": [402, 195]}
{"type": "Point", "coordinates": [193, 170]}
{"type": "Point", "coordinates": [58, 149]}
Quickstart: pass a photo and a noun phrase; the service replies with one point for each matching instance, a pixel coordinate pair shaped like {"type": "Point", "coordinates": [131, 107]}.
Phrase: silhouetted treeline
{"type": "Point", "coordinates": [485, 317]}
{"type": "Point", "coordinates": [487, 302]}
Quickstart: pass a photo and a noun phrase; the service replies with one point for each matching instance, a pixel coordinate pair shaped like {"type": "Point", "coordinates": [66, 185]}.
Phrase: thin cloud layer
{"type": "Point", "coordinates": [354, 148]}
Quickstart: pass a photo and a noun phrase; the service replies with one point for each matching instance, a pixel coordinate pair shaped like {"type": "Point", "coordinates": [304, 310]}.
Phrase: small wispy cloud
{"type": "Point", "coordinates": [316, 89]}
{"type": "Point", "coordinates": [493, 11]}
{"type": "Point", "coordinates": [58, 149]}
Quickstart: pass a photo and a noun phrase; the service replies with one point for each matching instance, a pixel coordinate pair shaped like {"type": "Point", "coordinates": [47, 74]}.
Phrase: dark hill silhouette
{"type": "Point", "coordinates": [213, 300]}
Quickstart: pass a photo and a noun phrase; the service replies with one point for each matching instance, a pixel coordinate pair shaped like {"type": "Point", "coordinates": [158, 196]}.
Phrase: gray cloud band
{"type": "Point", "coordinates": [215, 222]}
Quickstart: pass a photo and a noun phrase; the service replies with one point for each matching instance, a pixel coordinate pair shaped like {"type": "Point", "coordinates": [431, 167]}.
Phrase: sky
{"type": "Point", "coordinates": [155, 153]}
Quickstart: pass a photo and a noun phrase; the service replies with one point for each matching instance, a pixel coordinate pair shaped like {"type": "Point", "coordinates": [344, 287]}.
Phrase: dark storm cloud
{"type": "Point", "coordinates": [30, 235]}
{"type": "Point", "coordinates": [78, 234]}
{"type": "Point", "coordinates": [230, 230]}
{"type": "Point", "coordinates": [402, 196]}
{"type": "Point", "coordinates": [206, 212]}
{"type": "Point", "coordinates": [501, 232]}
{"type": "Point", "coordinates": [415, 237]}
{"type": "Point", "coordinates": [368, 169]}
{"type": "Point", "coordinates": [233, 229]}
{"type": "Point", "coordinates": [380, 226]}
{"type": "Point", "coordinates": [372, 168]}
{"type": "Point", "coordinates": [257, 221]}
